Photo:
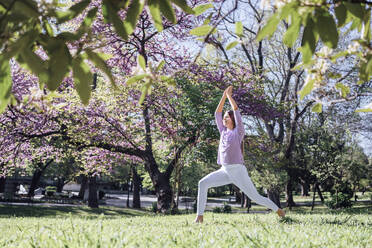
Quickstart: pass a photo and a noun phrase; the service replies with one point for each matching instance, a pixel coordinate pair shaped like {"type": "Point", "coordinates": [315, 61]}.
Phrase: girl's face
{"type": "Point", "coordinates": [227, 122]}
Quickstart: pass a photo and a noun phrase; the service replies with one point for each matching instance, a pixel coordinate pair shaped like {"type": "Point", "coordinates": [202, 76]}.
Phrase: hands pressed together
{"type": "Point", "coordinates": [228, 91]}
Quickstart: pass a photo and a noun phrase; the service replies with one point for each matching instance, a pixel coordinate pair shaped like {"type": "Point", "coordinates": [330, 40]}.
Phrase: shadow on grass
{"type": "Point", "coordinates": [7, 211]}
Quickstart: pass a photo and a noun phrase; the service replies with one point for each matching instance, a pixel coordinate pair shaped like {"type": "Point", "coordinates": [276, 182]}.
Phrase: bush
{"type": "Point", "coordinates": [217, 210]}
{"type": "Point", "coordinates": [195, 207]}
{"type": "Point", "coordinates": [343, 197]}
{"type": "Point", "coordinates": [154, 207]}
{"type": "Point", "coordinates": [226, 208]}
{"type": "Point", "coordinates": [341, 200]}
{"type": "Point", "coordinates": [50, 190]}
{"type": "Point", "coordinates": [175, 211]}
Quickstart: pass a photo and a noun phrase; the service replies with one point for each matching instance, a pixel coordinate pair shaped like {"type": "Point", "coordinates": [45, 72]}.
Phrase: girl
{"type": "Point", "coordinates": [230, 156]}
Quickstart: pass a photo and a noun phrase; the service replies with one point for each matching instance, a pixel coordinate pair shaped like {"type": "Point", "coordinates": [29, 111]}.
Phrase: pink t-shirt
{"type": "Point", "coordinates": [229, 149]}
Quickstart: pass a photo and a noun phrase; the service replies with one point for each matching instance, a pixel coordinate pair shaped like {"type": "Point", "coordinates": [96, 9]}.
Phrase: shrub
{"type": "Point", "coordinates": [217, 210]}
{"type": "Point", "coordinates": [50, 190]}
{"type": "Point", "coordinates": [342, 199]}
{"type": "Point", "coordinates": [154, 207]}
{"type": "Point", "coordinates": [339, 200]}
{"type": "Point", "coordinates": [226, 208]}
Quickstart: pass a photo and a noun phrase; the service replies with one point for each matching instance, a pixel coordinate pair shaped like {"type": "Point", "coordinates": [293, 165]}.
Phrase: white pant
{"type": "Point", "coordinates": [232, 173]}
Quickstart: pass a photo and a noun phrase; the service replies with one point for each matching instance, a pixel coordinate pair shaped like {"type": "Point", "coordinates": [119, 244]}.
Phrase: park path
{"type": "Point", "coordinates": [120, 200]}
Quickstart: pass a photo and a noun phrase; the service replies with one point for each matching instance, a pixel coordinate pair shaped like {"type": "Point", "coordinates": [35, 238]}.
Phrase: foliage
{"type": "Point", "coordinates": [226, 208]}
{"type": "Point", "coordinates": [217, 210]}
{"type": "Point", "coordinates": [325, 21]}
{"type": "Point", "coordinates": [37, 36]}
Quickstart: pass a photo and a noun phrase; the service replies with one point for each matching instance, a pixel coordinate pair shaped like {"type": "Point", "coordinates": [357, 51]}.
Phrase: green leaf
{"type": "Point", "coordinates": [145, 91]}
{"type": "Point", "coordinates": [83, 79]}
{"type": "Point", "coordinates": [369, 66]}
{"type": "Point", "coordinates": [317, 108]}
{"type": "Point", "coordinates": [135, 78]}
{"type": "Point", "coordinates": [59, 63]}
{"type": "Point", "coordinates": [20, 44]}
{"type": "Point", "coordinates": [141, 61]}
{"type": "Point", "coordinates": [208, 19]}
{"type": "Point", "coordinates": [307, 88]}
{"type": "Point", "coordinates": [26, 9]}
{"type": "Point", "coordinates": [309, 39]}
{"type": "Point", "coordinates": [134, 10]}
{"type": "Point", "coordinates": [155, 14]}
{"type": "Point", "coordinates": [345, 90]}
{"type": "Point", "coordinates": [167, 10]}
{"type": "Point", "coordinates": [67, 36]}
{"type": "Point", "coordinates": [34, 63]}
{"type": "Point", "coordinates": [200, 9]}
{"type": "Point", "coordinates": [100, 63]}
{"type": "Point", "coordinates": [74, 11]}
{"type": "Point", "coordinates": [239, 29]}
{"type": "Point", "coordinates": [356, 9]}
{"type": "Point", "coordinates": [5, 83]}
{"type": "Point", "coordinates": [232, 45]}
{"type": "Point", "coordinates": [183, 5]}
{"type": "Point", "coordinates": [269, 29]}
{"type": "Point", "coordinates": [341, 14]}
{"type": "Point", "coordinates": [202, 30]}
{"type": "Point", "coordinates": [339, 55]}
{"type": "Point", "coordinates": [48, 29]}
{"type": "Point", "coordinates": [113, 17]}
{"type": "Point", "coordinates": [160, 65]}
{"type": "Point", "coordinates": [287, 9]}
{"type": "Point", "coordinates": [326, 27]}
{"type": "Point", "coordinates": [293, 31]}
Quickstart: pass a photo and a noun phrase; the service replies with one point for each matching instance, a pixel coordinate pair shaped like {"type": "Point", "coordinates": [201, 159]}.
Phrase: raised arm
{"type": "Point", "coordinates": [218, 113]}
{"type": "Point", "coordinates": [233, 104]}
{"type": "Point", "coordinates": [237, 116]}
{"type": "Point", "coordinates": [222, 102]}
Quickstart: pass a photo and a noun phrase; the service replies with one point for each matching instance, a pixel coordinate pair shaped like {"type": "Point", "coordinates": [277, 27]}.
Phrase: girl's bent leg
{"type": "Point", "coordinates": [241, 179]}
{"type": "Point", "coordinates": [214, 179]}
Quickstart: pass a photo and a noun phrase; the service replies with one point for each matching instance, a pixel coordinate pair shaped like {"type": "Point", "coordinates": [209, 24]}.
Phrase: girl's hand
{"type": "Point", "coordinates": [224, 93]}
{"type": "Point", "coordinates": [228, 91]}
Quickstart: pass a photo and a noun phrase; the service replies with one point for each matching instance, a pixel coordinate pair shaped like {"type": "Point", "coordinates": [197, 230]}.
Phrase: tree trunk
{"type": "Point", "coordinates": [128, 205]}
{"type": "Point", "coordinates": [304, 188]}
{"type": "Point", "coordinates": [2, 184]}
{"type": "Point", "coordinates": [289, 194]}
{"type": "Point", "coordinates": [136, 188]}
{"type": "Point", "coordinates": [243, 199]}
{"type": "Point", "coordinates": [36, 177]}
{"type": "Point", "coordinates": [60, 184]}
{"type": "Point", "coordinates": [92, 198]}
{"type": "Point", "coordinates": [163, 191]}
{"type": "Point", "coordinates": [313, 203]}
{"type": "Point", "coordinates": [320, 193]}
{"type": "Point", "coordinates": [34, 182]}
{"type": "Point", "coordinates": [247, 203]}
{"type": "Point", "coordinates": [238, 195]}
{"type": "Point", "coordinates": [274, 195]}
{"type": "Point", "coordinates": [83, 186]}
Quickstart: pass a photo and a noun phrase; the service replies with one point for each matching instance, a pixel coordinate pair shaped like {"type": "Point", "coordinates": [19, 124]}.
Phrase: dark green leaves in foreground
{"type": "Point", "coordinates": [24, 28]}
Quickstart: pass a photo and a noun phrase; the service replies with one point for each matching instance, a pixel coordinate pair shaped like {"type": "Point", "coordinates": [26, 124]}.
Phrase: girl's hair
{"type": "Point", "coordinates": [232, 117]}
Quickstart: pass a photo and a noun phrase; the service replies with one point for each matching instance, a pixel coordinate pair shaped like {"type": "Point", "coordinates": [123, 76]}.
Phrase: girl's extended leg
{"type": "Point", "coordinates": [214, 179]}
{"type": "Point", "coordinates": [239, 176]}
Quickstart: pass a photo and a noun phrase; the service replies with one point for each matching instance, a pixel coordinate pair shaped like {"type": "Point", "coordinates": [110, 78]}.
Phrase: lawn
{"type": "Point", "coordinates": [36, 226]}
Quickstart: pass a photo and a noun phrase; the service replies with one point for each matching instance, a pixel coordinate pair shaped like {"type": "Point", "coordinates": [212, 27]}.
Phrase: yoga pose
{"type": "Point", "coordinates": [230, 157]}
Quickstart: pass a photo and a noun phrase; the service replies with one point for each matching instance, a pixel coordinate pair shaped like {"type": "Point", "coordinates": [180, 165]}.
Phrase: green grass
{"type": "Point", "coordinates": [119, 227]}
